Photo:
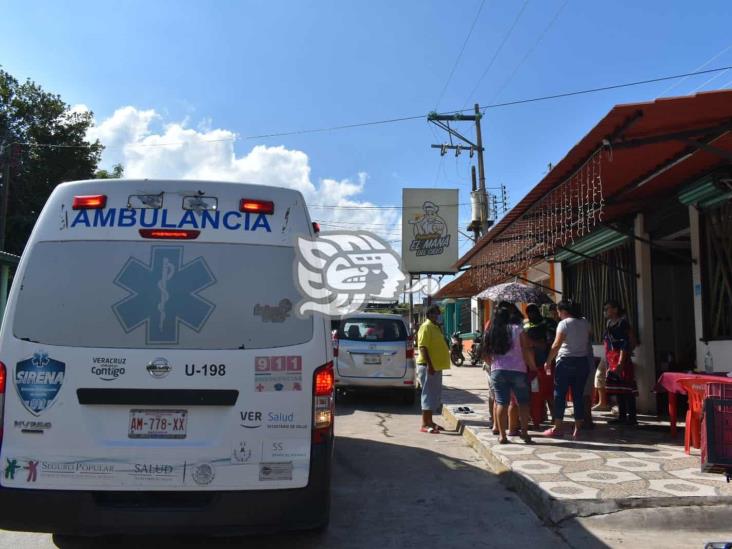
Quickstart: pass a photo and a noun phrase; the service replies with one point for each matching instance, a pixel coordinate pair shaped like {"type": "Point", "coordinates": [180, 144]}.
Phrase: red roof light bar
{"type": "Point", "coordinates": [256, 206]}
{"type": "Point", "coordinates": [170, 234]}
{"type": "Point", "coordinates": [90, 202]}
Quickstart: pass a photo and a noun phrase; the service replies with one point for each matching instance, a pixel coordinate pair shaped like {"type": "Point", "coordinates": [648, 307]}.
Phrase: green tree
{"type": "Point", "coordinates": [117, 172]}
{"type": "Point", "coordinates": [45, 144]}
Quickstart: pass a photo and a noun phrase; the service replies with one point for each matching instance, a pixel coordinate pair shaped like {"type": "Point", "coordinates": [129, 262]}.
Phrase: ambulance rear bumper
{"type": "Point", "coordinates": [193, 513]}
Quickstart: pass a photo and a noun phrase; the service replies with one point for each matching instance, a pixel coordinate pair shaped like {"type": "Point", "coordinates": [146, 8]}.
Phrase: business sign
{"type": "Point", "coordinates": [429, 230]}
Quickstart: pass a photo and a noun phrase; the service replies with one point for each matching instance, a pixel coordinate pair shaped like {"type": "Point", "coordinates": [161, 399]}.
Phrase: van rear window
{"type": "Point", "coordinates": [166, 295]}
{"type": "Point", "coordinates": [372, 329]}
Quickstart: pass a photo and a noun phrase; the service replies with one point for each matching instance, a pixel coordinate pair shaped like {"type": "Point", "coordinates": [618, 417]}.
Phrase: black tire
{"type": "Point", "coordinates": [409, 397]}
{"type": "Point", "coordinates": [456, 359]}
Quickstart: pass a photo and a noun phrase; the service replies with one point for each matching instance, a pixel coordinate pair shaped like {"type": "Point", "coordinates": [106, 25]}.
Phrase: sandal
{"type": "Point", "coordinates": [430, 430]}
{"type": "Point", "coordinates": [438, 427]}
{"type": "Point", "coordinates": [553, 432]}
{"type": "Point", "coordinates": [503, 441]}
{"type": "Point", "coordinates": [496, 432]}
{"type": "Point", "coordinates": [527, 440]}
{"type": "Point", "coordinates": [514, 433]}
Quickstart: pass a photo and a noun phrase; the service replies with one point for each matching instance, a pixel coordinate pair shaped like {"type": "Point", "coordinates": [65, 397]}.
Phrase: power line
{"type": "Point", "coordinates": [498, 51]}
{"type": "Point", "coordinates": [709, 80]}
{"type": "Point", "coordinates": [336, 206]}
{"type": "Point", "coordinates": [408, 118]}
{"type": "Point", "coordinates": [700, 67]}
{"type": "Point", "coordinates": [603, 88]}
{"type": "Point", "coordinates": [457, 61]}
{"type": "Point", "coordinates": [531, 50]}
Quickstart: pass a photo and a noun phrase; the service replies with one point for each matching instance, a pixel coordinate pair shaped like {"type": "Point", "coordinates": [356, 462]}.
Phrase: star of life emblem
{"type": "Point", "coordinates": [164, 294]}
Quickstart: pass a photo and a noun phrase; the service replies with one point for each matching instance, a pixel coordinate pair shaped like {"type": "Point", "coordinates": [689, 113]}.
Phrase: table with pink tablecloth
{"type": "Point", "coordinates": [669, 382]}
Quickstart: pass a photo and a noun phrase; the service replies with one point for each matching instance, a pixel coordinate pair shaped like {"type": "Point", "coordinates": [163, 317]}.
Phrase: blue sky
{"type": "Point", "coordinates": [256, 67]}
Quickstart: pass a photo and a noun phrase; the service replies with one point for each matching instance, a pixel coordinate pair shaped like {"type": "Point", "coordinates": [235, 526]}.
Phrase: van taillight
{"type": "Point", "coordinates": [256, 206]}
{"type": "Point", "coordinates": [3, 373]}
{"type": "Point", "coordinates": [336, 343]}
{"type": "Point", "coordinates": [410, 346]}
{"type": "Point", "coordinates": [89, 202]}
{"type": "Point", "coordinates": [170, 234]}
{"type": "Point", "coordinates": [323, 400]}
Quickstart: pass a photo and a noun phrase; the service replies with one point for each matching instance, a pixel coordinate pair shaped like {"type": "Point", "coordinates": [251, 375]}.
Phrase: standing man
{"type": "Point", "coordinates": [434, 357]}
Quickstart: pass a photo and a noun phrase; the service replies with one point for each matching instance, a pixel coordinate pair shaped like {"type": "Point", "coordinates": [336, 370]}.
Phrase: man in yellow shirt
{"type": "Point", "coordinates": [434, 357]}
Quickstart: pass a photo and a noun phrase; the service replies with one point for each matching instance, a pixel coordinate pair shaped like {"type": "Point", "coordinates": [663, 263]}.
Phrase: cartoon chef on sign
{"type": "Point", "coordinates": [429, 224]}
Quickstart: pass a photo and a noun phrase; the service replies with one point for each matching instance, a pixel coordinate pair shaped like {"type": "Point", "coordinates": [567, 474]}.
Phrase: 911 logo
{"type": "Point", "coordinates": [338, 273]}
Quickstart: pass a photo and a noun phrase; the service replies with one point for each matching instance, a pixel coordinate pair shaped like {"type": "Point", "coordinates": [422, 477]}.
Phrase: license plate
{"type": "Point", "coordinates": [158, 423]}
{"type": "Point", "coordinates": [372, 359]}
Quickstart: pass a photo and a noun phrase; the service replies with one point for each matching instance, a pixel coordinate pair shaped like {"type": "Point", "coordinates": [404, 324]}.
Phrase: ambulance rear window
{"type": "Point", "coordinates": [165, 295]}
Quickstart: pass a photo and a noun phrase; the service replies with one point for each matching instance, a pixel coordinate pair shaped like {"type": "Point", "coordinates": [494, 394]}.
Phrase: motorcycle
{"type": "Point", "coordinates": [475, 350]}
{"type": "Point", "coordinates": [456, 349]}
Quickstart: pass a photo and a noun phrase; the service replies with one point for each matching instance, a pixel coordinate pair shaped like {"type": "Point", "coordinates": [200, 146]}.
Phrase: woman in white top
{"type": "Point", "coordinates": [570, 347]}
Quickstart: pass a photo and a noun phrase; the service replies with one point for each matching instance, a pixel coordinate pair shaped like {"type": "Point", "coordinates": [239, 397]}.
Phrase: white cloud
{"type": "Point", "coordinates": [175, 151]}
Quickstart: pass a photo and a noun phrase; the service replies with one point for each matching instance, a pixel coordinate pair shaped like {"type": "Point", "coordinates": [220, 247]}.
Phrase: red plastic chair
{"type": "Point", "coordinates": [695, 391]}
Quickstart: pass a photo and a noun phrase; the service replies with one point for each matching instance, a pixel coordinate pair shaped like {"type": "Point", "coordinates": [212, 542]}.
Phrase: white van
{"type": "Point", "coordinates": [374, 351]}
{"type": "Point", "coordinates": [155, 376]}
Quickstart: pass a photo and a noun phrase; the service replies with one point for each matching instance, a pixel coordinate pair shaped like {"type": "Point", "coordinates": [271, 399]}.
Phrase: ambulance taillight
{"type": "Point", "coordinates": [323, 401]}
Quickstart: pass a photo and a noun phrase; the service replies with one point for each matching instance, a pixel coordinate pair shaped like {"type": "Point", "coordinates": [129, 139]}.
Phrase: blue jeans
{"type": "Point", "coordinates": [571, 371]}
{"type": "Point", "coordinates": [506, 381]}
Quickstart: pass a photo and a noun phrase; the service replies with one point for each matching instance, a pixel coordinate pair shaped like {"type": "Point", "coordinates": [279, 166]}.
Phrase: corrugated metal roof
{"type": "Point", "coordinates": [639, 140]}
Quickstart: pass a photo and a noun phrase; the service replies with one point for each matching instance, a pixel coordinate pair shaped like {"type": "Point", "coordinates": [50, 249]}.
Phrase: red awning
{"type": "Point", "coordinates": [465, 285]}
{"type": "Point", "coordinates": [645, 150]}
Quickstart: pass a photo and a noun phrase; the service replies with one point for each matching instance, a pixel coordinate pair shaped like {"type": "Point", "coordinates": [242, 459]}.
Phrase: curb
{"type": "Point", "coordinates": [555, 511]}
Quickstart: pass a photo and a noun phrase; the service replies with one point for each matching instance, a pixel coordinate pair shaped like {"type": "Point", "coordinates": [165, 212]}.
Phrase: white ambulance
{"type": "Point", "coordinates": [155, 376]}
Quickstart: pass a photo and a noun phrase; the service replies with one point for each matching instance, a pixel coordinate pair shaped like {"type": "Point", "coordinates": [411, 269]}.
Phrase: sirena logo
{"type": "Point", "coordinates": [251, 419]}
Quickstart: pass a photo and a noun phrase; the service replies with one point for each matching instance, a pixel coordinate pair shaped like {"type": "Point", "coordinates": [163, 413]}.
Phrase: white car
{"type": "Point", "coordinates": [374, 351]}
{"type": "Point", "coordinates": [155, 376]}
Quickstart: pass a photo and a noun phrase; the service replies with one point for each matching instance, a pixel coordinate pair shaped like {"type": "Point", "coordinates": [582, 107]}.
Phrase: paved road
{"type": "Point", "coordinates": [393, 487]}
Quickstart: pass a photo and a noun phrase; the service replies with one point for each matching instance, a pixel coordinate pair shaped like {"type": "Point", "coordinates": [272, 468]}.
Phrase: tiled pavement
{"type": "Point", "coordinates": [610, 469]}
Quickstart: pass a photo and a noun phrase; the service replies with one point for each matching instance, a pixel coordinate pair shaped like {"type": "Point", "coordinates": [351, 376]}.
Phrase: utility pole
{"type": "Point", "coordinates": [475, 225]}
{"type": "Point", "coordinates": [479, 139]}
{"type": "Point", "coordinates": [478, 197]}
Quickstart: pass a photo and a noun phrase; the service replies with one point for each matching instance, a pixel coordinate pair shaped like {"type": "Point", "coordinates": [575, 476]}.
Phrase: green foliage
{"type": "Point", "coordinates": [117, 172]}
{"type": "Point", "coordinates": [29, 115]}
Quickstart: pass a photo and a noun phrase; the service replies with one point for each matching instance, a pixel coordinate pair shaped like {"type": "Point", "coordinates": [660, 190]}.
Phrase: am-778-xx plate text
{"type": "Point", "coordinates": [158, 423]}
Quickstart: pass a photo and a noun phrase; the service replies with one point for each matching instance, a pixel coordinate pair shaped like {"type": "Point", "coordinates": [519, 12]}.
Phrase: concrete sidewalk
{"type": "Point", "coordinates": [610, 470]}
